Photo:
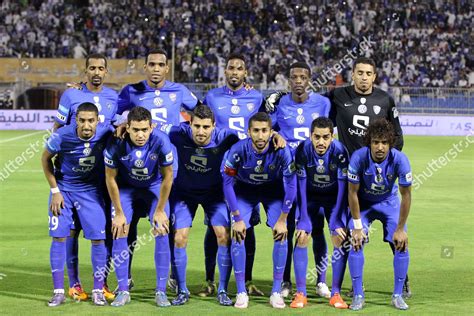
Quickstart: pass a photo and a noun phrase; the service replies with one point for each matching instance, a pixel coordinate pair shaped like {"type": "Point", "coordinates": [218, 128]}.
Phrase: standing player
{"type": "Point", "coordinates": [264, 175]}
{"type": "Point", "coordinates": [201, 147]}
{"type": "Point", "coordinates": [105, 99]}
{"type": "Point", "coordinates": [233, 105]}
{"type": "Point", "coordinates": [76, 178]}
{"type": "Point", "coordinates": [292, 119]}
{"type": "Point", "coordinates": [138, 169]}
{"type": "Point", "coordinates": [355, 107]}
{"type": "Point", "coordinates": [164, 100]}
{"type": "Point", "coordinates": [321, 168]}
{"type": "Point", "coordinates": [373, 171]}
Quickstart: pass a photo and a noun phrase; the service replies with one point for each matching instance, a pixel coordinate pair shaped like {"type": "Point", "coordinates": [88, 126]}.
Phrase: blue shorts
{"type": "Point", "coordinates": [140, 200]}
{"type": "Point", "coordinates": [249, 197]}
{"type": "Point", "coordinates": [84, 209]}
{"type": "Point", "coordinates": [320, 208]}
{"type": "Point", "coordinates": [387, 212]}
{"type": "Point", "coordinates": [183, 208]}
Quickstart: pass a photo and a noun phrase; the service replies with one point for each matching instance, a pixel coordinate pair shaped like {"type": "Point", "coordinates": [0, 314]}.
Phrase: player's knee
{"type": "Point", "coordinates": [180, 239]}
{"type": "Point", "coordinates": [59, 239]}
{"type": "Point", "coordinates": [302, 242]}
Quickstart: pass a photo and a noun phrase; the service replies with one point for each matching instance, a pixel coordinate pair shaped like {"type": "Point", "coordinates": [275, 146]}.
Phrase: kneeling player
{"type": "Point", "coordinates": [321, 164]}
{"type": "Point", "coordinates": [373, 171]}
{"type": "Point", "coordinates": [264, 175]}
{"type": "Point", "coordinates": [201, 147]}
{"type": "Point", "coordinates": [138, 169]}
{"type": "Point", "coordinates": [76, 194]}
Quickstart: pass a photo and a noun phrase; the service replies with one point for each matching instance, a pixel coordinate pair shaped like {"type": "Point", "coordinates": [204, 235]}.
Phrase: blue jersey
{"type": "Point", "coordinates": [164, 103]}
{"type": "Point", "coordinates": [248, 166]}
{"type": "Point", "coordinates": [139, 166]}
{"type": "Point", "coordinates": [199, 167]}
{"type": "Point", "coordinates": [322, 172]}
{"type": "Point", "coordinates": [105, 100]}
{"type": "Point", "coordinates": [233, 109]}
{"type": "Point", "coordinates": [293, 120]}
{"type": "Point", "coordinates": [79, 164]}
{"type": "Point", "coordinates": [377, 180]}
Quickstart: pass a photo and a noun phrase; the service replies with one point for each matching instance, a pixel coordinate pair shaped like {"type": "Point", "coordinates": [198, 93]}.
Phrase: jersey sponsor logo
{"type": "Point", "coordinates": [60, 116]}
{"type": "Point", "coordinates": [409, 177]}
{"type": "Point", "coordinates": [263, 177]}
{"type": "Point", "coordinates": [140, 174]}
{"type": "Point", "coordinates": [108, 161]}
{"type": "Point", "coordinates": [169, 157]}
{"type": "Point", "coordinates": [198, 164]}
{"type": "Point", "coordinates": [352, 176]}
{"type": "Point", "coordinates": [86, 164]}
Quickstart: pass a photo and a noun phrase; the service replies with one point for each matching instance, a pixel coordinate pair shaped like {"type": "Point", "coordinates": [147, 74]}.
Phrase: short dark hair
{"type": "Point", "coordinates": [138, 114]}
{"type": "Point", "coordinates": [382, 129]}
{"type": "Point", "coordinates": [202, 111]}
{"type": "Point", "coordinates": [260, 117]}
{"type": "Point", "coordinates": [235, 56]}
{"type": "Point", "coordinates": [96, 56]}
{"type": "Point", "coordinates": [322, 122]}
{"type": "Point", "coordinates": [156, 51]}
{"type": "Point", "coordinates": [87, 107]}
{"type": "Point", "coordinates": [363, 60]}
{"type": "Point", "coordinates": [300, 64]}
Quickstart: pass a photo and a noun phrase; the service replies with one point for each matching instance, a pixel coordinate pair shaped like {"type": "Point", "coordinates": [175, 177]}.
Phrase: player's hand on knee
{"type": "Point", "coordinates": [280, 231]}
{"type": "Point", "coordinates": [302, 237]}
{"type": "Point", "coordinates": [358, 237]}
{"type": "Point", "coordinates": [161, 223]}
{"type": "Point", "coordinates": [400, 240]}
{"type": "Point", "coordinates": [119, 226]}
{"type": "Point", "coordinates": [338, 239]}
{"type": "Point", "coordinates": [239, 230]}
{"type": "Point", "coordinates": [121, 130]}
{"type": "Point", "coordinates": [57, 203]}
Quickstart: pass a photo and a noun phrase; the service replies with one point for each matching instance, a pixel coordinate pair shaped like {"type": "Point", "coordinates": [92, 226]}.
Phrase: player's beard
{"type": "Point", "coordinates": [96, 81]}
{"type": "Point", "coordinates": [260, 144]}
{"type": "Point", "coordinates": [234, 83]}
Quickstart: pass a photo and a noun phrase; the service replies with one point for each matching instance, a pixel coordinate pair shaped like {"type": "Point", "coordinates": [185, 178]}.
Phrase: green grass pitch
{"type": "Point", "coordinates": [440, 230]}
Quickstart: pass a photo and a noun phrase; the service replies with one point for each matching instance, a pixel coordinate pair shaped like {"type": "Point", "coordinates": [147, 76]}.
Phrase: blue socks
{"type": "Point", "coordinates": [320, 250]}
{"type": "Point", "coordinates": [179, 266]}
{"type": "Point", "coordinates": [225, 267]}
{"type": "Point", "coordinates": [356, 267]}
{"type": "Point", "coordinates": [300, 259]}
{"type": "Point", "coordinates": [280, 251]}
{"type": "Point", "coordinates": [121, 262]}
{"type": "Point", "coordinates": [72, 260]}
{"type": "Point", "coordinates": [99, 260]}
{"type": "Point", "coordinates": [400, 268]}
{"type": "Point", "coordinates": [57, 258]}
{"type": "Point", "coordinates": [238, 255]}
{"type": "Point", "coordinates": [162, 262]}
{"type": "Point", "coordinates": [338, 262]}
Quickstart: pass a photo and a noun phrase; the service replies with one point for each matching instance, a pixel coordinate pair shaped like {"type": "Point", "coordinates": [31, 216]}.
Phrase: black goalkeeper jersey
{"type": "Point", "coordinates": [352, 113]}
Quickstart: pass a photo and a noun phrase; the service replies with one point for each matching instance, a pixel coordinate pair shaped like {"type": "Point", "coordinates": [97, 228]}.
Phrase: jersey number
{"type": "Point", "coordinates": [53, 222]}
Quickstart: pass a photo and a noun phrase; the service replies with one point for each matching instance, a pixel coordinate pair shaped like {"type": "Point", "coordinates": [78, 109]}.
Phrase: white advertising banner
{"type": "Point", "coordinates": [26, 119]}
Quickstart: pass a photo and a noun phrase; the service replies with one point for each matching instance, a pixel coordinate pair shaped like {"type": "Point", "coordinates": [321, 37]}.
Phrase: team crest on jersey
{"type": "Point", "coordinates": [332, 167]}
{"type": "Point", "coordinates": [199, 151]}
{"type": "Point", "coordinates": [395, 112]}
{"type": "Point", "coordinates": [153, 156]}
{"type": "Point", "coordinates": [157, 92]}
{"type": "Point", "coordinates": [139, 163]}
{"type": "Point", "coordinates": [235, 109]}
{"type": "Point", "coordinates": [314, 115]}
{"type": "Point", "coordinates": [300, 117]}
{"type": "Point", "coordinates": [172, 97]}
{"type": "Point", "coordinates": [158, 101]}
{"type": "Point", "coordinates": [215, 151]}
{"type": "Point", "coordinates": [390, 177]}
{"type": "Point", "coordinates": [377, 109]}
{"type": "Point", "coordinates": [250, 106]}
{"type": "Point", "coordinates": [271, 167]}
{"type": "Point", "coordinates": [259, 167]}
{"type": "Point", "coordinates": [138, 153]}
{"type": "Point", "coordinates": [96, 99]}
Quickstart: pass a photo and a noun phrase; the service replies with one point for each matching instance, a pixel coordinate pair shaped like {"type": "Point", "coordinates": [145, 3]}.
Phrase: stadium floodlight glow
{"type": "Point", "coordinates": [275, 21]}
{"type": "Point", "coordinates": [162, 37]}
{"type": "Point", "coordinates": [146, 19]}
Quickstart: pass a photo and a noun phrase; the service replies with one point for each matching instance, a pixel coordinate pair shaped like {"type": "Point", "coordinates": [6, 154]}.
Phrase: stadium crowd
{"type": "Point", "coordinates": [415, 43]}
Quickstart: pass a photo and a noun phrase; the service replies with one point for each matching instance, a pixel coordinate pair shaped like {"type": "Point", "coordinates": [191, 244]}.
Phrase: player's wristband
{"type": "Point", "coordinates": [55, 190]}
{"type": "Point", "coordinates": [357, 223]}
{"type": "Point", "coordinates": [237, 218]}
